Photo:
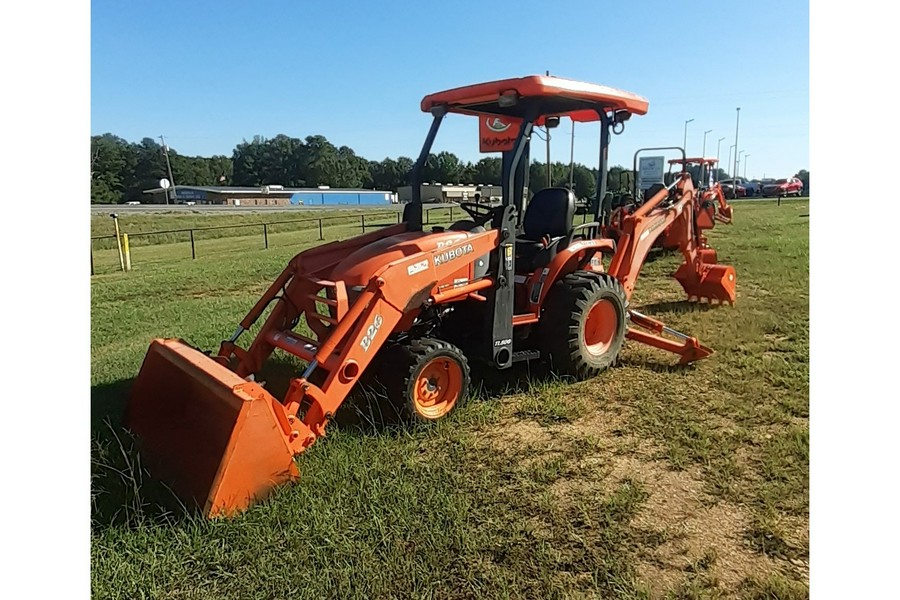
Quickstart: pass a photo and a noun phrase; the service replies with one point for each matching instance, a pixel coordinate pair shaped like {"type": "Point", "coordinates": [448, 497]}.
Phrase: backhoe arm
{"type": "Point", "coordinates": [641, 228]}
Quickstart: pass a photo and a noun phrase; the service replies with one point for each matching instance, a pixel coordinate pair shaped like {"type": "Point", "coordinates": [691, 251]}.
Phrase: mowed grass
{"type": "Point", "coordinates": [650, 481]}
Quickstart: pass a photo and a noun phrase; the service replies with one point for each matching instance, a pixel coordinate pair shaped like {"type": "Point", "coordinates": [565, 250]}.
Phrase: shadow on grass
{"type": "Point", "coordinates": [122, 491]}
{"type": "Point", "coordinates": [680, 306]}
{"type": "Point", "coordinates": [658, 365]}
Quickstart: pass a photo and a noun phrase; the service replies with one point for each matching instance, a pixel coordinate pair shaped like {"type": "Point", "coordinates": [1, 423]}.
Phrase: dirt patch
{"type": "Point", "coordinates": [694, 529]}
{"type": "Point", "coordinates": [684, 532]}
{"type": "Point", "coordinates": [517, 435]}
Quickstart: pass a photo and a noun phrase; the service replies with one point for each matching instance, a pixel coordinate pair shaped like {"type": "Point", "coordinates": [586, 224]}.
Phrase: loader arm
{"type": "Point", "coordinates": [345, 348]}
{"type": "Point", "coordinates": [400, 287]}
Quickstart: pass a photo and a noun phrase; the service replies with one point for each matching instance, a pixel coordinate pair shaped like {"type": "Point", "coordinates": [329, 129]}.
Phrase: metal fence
{"type": "Point", "coordinates": [172, 244]}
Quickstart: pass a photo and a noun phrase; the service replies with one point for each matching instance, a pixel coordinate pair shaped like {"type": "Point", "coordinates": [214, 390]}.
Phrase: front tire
{"type": "Point", "coordinates": [583, 324]}
{"type": "Point", "coordinates": [427, 379]}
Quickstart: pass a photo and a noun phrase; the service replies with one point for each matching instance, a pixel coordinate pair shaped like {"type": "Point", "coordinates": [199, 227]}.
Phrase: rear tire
{"type": "Point", "coordinates": [583, 324]}
{"type": "Point", "coordinates": [426, 379]}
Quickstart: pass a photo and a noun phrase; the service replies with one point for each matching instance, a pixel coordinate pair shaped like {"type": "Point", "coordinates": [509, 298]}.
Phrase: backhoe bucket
{"type": "Point", "coordinates": [710, 281]}
{"type": "Point", "coordinates": [214, 438]}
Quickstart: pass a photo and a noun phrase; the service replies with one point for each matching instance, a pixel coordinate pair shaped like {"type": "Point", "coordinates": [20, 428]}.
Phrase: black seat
{"type": "Point", "coordinates": [548, 221]}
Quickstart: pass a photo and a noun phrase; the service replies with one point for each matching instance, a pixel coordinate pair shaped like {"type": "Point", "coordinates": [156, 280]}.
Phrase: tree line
{"type": "Point", "coordinates": [121, 170]}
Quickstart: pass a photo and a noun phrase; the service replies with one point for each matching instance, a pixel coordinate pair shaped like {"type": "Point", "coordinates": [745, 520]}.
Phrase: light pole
{"type": "Point", "coordinates": [718, 147]}
{"type": "Point", "coordinates": [728, 164]}
{"type": "Point", "coordinates": [703, 157]}
{"type": "Point", "coordinates": [746, 156]}
{"type": "Point", "coordinates": [684, 146]}
{"type": "Point", "coordinates": [737, 126]}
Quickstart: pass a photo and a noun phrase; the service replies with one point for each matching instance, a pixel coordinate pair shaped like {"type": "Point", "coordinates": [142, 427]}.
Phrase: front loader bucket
{"type": "Point", "coordinates": [710, 281]}
{"type": "Point", "coordinates": [213, 437]}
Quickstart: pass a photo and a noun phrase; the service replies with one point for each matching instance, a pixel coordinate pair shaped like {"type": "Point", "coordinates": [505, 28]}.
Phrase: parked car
{"type": "Point", "coordinates": [728, 188]}
{"type": "Point", "coordinates": [753, 188]}
{"type": "Point", "coordinates": [790, 186]}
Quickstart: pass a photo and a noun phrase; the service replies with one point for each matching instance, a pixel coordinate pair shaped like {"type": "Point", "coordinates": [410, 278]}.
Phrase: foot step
{"type": "Point", "coordinates": [521, 355]}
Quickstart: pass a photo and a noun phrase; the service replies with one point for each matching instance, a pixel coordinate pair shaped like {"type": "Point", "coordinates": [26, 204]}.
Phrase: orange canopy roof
{"type": "Point", "coordinates": [565, 97]}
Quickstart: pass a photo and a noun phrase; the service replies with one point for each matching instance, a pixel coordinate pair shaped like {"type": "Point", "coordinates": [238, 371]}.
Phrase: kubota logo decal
{"type": "Point", "coordinates": [452, 254]}
{"type": "Point", "coordinates": [497, 134]}
{"type": "Point", "coordinates": [496, 125]}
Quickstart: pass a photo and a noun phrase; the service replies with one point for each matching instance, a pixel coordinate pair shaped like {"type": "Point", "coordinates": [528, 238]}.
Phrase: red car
{"type": "Point", "coordinates": [784, 187]}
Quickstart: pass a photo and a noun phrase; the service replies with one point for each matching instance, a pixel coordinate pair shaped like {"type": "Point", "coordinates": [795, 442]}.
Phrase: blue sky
{"type": "Point", "coordinates": [209, 74]}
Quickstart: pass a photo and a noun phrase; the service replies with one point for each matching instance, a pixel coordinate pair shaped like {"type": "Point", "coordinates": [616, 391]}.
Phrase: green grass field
{"type": "Point", "coordinates": [650, 481]}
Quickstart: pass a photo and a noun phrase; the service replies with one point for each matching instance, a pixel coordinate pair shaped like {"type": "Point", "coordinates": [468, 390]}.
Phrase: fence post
{"type": "Point", "coordinates": [92, 258]}
{"type": "Point", "coordinates": [427, 215]}
{"type": "Point", "coordinates": [398, 218]}
{"type": "Point", "coordinates": [127, 252]}
{"type": "Point", "coordinates": [193, 252]}
{"type": "Point", "coordinates": [115, 219]}
{"type": "Point", "coordinates": [266, 235]}
{"type": "Point", "coordinates": [363, 219]}
{"type": "Point", "coordinates": [451, 214]}
{"type": "Point", "coordinates": [321, 237]}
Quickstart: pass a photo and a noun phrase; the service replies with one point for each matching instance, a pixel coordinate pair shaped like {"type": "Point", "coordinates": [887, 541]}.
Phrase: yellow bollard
{"type": "Point", "coordinates": [127, 252]}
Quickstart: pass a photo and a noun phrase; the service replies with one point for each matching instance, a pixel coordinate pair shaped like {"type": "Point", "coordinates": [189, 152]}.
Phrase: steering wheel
{"type": "Point", "coordinates": [480, 213]}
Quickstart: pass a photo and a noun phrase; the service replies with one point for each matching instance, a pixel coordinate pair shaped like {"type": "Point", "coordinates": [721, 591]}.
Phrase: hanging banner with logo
{"type": "Point", "coordinates": [497, 134]}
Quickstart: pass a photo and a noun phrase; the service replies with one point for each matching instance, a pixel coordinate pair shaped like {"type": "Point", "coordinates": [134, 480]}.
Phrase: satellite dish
{"type": "Point", "coordinates": [164, 183]}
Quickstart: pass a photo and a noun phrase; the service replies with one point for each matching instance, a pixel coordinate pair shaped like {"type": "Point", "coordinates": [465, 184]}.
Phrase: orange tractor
{"type": "Point", "coordinates": [709, 201]}
{"type": "Point", "coordinates": [511, 283]}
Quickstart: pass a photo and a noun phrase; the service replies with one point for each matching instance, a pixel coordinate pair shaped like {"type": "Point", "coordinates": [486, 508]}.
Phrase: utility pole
{"type": "Point", "coordinates": [746, 156]}
{"type": "Point", "coordinates": [718, 147]}
{"type": "Point", "coordinates": [728, 164]}
{"type": "Point", "coordinates": [737, 126]}
{"type": "Point", "coordinates": [168, 168]}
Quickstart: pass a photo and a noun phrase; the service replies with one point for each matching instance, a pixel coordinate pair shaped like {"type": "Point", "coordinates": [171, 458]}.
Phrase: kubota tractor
{"type": "Point", "coordinates": [511, 283]}
{"type": "Point", "coordinates": [709, 202]}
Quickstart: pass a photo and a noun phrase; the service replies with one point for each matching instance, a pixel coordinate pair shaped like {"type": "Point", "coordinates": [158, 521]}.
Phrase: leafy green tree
{"type": "Point", "coordinates": [803, 175]}
{"type": "Point", "coordinates": [112, 165]}
{"type": "Point", "coordinates": [150, 167]}
{"type": "Point", "coordinates": [585, 181]}
{"type": "Point", "coordinates": [444, 167]}
{"type": "Point", "coordinates": [247, 162]}
{"type": "Point", "coordinates": [488, 170]}
{"type": "Point", "coordinates": [390, 174]}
